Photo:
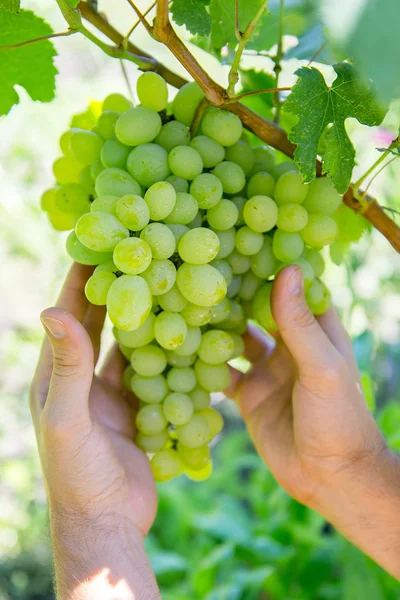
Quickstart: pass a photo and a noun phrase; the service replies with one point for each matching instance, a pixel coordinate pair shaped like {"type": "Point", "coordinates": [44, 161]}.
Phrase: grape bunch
{"type": "Point", "coordinates": [186, 234]}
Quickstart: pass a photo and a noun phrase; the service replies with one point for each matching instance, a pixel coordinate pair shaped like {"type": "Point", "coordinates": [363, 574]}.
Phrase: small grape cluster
{"type": "Point", "coordinates": [186, 234]}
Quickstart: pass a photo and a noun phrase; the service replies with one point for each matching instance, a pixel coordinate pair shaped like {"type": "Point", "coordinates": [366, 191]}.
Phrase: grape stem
{"type": "Point", "coordinates": [39, 39]}
{"type": "Point", "coordinates": [376, 164]}
{"type": "Point", "coordinates": [124, 43]}
{"type": "Point", "coordinates": [264, 129]}
{"type": "Point", "coordinates": [198, 115]}
{"type": "Point", "coordinates": [256, 92]}
{"type": "Point", "coordinates": [278, 67]}
{"type": "Point", "coordinates": [317, 53]}
{"type": "Point", "coordinates": [141, 18]}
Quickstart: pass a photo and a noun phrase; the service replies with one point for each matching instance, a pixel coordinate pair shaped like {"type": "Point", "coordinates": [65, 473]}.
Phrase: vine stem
{"type": "Point", "coordinates": [141, 17]}
{"type": "Point", "coordinates": [256, 92]}
{"type": "Point", "coordinates": [198, 115]}
{"type": "Point", "coordinates": [39, 39]}
{"type": "Point", "coordinates": [379, 172]}
{"type": "Point", "coordinates": [244, 37]}
{"type": "Point", "coordinates": [124, 42]}
{"type": "Point", "coordinates": [376, 164]}
{"type": "Point", "coordinates": [264, 129]}
{"type": "Point", "coordinates": [278, 66]}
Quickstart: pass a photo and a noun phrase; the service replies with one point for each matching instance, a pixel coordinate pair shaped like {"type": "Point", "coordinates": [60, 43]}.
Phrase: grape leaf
{"type": "Point", "coordinates": [317, 107]}
{"type": "Point", "coordinates": [193, 14]}
{"type": "Point", "coordinates": [351, 225]}
{"type": "Point", "coordinates": [10, 5]}
{"type": "Point", "coordinates": [29, 66]}
{"type": "Point", "coordinates": [223, 19]}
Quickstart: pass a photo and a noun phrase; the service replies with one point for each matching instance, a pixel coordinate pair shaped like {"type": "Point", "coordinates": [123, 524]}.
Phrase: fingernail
{"type": "Point", "coordinates": [54, 327]}
{"type": "Point", "coordinates": [295, 282]}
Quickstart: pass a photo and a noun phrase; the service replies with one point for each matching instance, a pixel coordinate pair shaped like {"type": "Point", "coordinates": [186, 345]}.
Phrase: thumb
{"type": "Point", "coordinates": [73, 365]}
{"type": "Point", "coordinates": [306, 341]}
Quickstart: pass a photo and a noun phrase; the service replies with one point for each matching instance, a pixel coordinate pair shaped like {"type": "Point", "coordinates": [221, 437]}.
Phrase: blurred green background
{"type": "Point", "coordinates": [237, 536]}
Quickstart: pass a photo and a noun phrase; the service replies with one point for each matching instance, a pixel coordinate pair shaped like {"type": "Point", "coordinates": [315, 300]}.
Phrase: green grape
{"type": "Point", "coordinates": [175, 360]}
{"type": "Point", "coordinates": [249, 286]}
{"type": "Point", "coordinates": [320, 231]}
{"type": "Point", "coordinates": [181, 379]}
{"type": "Point", "coordinates": [114, 154]}
{"type": "Point", "coordinates": [97, 286]}
{"type": "Point", "coordinates": [265, 158]}
{"type": "Point", "coordinates": [160, 239]}
{"type": "Point", "coordinates": [178, 408]}
{"type": "Point", "coordinates": [282, 168]}
{"type": "Point", "coordinates": [127, 375]}
{"type": "Point", "coordinates": [116, 182]}
{"type": "Point", "coordinates": [133, 212]}
{"type": "Point", "coordinates": [186, 102]}
{"type": "Point", "coordinates": [185, 162]}
{"type": "Point", "coordinates": [178, 183]}
{"type": "Point", "coordinates": [231, 176]}
{"type": "Point", "coordinates": [86, 181]}
{"type": "Point", "coordinates": [238, 345]}
{"type": "Point", "coordinates": [222, 126]}
{"type": "Point", "coordinates": [108, 266]}
{"type": "Point", "coordinates": [148, 163]}
{"type": "Point", "coordinates": [226, 242]}
{"type": "Point", "coordinates": [95, 169]}
{"type": "Point", "coordinates": [236, 316]}
{"type": "Point", "coordinates": [160, 198]}
{"type": "Point", "coordinates": [149, 360]}
{"type": "Point", "coordinates": [234, 287]}
{"type": "Point", "coordinates": [105, 204]}
{"type": "Point", "coordinates": [261, 184]}
{"type": "Point", "coordinates": [248, 242]}
{"type": "Point", "coordinates": [142, 336]}
{"type": "Point", "coordinates": [239, 263]}
{"type": "Point", "coordinates": [106, 124]}
{"type": "Point", "coordinates": [62, 221]}
{"type": "Point", "coordinates": [307, 270]}
{"type": "Point", "coordinates": [210, 151]}
{"type": "Point", "coordinates": [152, 443]}
{"type": "Point", "coordinates": [264, 264]}
{"type": "Point", "coordinates": [287, 246]}
{"type": "Point", "coordinates": [100, 231]}
{"type": "Point", "coordinates": [117, 103]}
{"type": "Point", "coordinates": [64, 143]}
{"type": "Point", "coordinates": [166, 465]}
{"type": "Point", "coordinates": [220, 311]}
{"type": "Point", "coordinates": [67, 170]}
{"type": "Point", "coordinates": [315, 259]}
{"type": "Point", "coordinates": [290, 189]}
{"type": "Point", "coordinates": [262, 307]}
{"type": "Point", "coordinates": [150, 419]}
{"type": "Point", "coordinates": [224, 268]}
{"type": "Point", "coordinates": [160, 276]}
{"type": "Point", "coordinates": [207, 189]}
{"type": "Point", "coordinates": [201, 284]}
{"type": "Point", "coordinates": [191, 343]}
{"type": "Point", "coordinates": [152, 91]}
{"type": "Point", "coordinates": [200, 398]}
{"type": "Point", "coordinates": [318, 297]}
{"type": "Point", "coordinates": [85, 146]}
{"type": "Point", "coordinates": [213, 378]}
{"type": "Point", "coordinates": [292, 217]}
{"type": "Point", "coordinates": [150, 389]}
{"type": "Point", "coordinates": [198, 246]}
{"type": "Point", "coordinates": [173, 134]}
{"type": "Point", "coordinates": [170, 330]}
{"type": "Point", "coordinates": [48, 200]}
{"type": "Point", "coordinates": [199, 474]}
{"type": "Point", "coordinates": [214, 420]}
{"type": "Point", "coordinates": [83, 255]}
{"type": "Point", "coordinates": [195, 433]}
{"type": "Point", "coordinates": [241, 154]}
{"type": "Point", "coordinates": [172, 301]}
{"type": "Point", "coordinates": [196, 316]}
{"type": "Point", "coordinates": [72, 197]}
{"type": "Point", "coordinates": [216, 347]}
{"type": "Point", "coordinates": [194, 458]}
{"type": "Point", "coordinates": [197, 221]}
{"type": "Point", "coordinates": [132, 255]}
{"type": "Point", "coordinates": [223, 216]}
{"type": "Point", "coordinates": [260, 213]}
{"type": "Point", "coordinates": [127, 352]}
{"type": "Point", "coordinates": [184, 211]}
{"type": "Point", "coordinates": [138, 125]}
{"type": "Point", "coordinates": [322, 197]}
{"type": "Point", "coordinates": [129, 302]}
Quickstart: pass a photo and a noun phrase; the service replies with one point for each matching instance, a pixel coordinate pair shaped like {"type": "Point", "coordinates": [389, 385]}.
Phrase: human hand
{"type": "Point", "coordinates": [305, 411]}
{"type": "Point", "coordinates": [101, 493]}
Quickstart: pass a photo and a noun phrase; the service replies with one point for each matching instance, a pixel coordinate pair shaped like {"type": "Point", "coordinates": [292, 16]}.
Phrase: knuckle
{"type": "Point", "coordinates": [302, 316]}
{"type": "Point", "coordinates": [67, 363]}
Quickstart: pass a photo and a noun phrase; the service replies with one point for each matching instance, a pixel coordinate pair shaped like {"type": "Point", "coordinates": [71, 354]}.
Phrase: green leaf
{"type": "Point", "coordinates": [223, 19]}
{"type": "Point", "coordinates": [10, 5]}
{"type": "Point", "coordinates": [368, 389]}
{"type": "Point", "coordinates": [193, 14]}
{"type": "Point", "coordinates": [73, 3]}
{"type": "Point", "coordinates": [360, 578]}
{"type": "Point", "coordinates": [351, 225]}
{"type": "Point", "coordinates": [29, 66]}
{"type": "Point", "coordinates": [318, 106]}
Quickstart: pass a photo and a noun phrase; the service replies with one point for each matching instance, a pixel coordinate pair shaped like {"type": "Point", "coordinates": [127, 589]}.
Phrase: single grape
{"type": "Point", "coordinates": [231, 175]}
{"type": "Point", "coordinates": [240, 264]}
{"type": "Point", "coordinates": [178, 408]}
{"type": "Point", "coordinates": [132, 256]}
{"type": "Point", "coordinates": [186, 102]}
{"type": "Point", "coordinates": [234, 287]}
{"type": "Point", "coordinates": [200, 398]}
{"type": "Point", "coordinates": [133, 212]}
{"type": "Point", "coordinates": [116, 182]}
{"type": "Point", "coordinates": [197, 221]}
{"type": "Point", "coordinates": [129, 302]}
{"type": "Point", "coordinates": [149, 360]}
{"type": "Point", "coordinates": [201, 284]}
{"type": "Point", "coordinates": [184, 211]}
{"type": "Point", "coordinates": [210, 151]}
{"type": "Point", "coordinates": [307, 270]}
{"type": "Point", "coordinates": [170, 330]}
{"type": "Point", "coordinates": [226, 242]}
{"type": "Point", "coordinates": [152, 91]}
{"type": "Point", "coordinates": [62, 221]}
{"type": "Point", "coordinates": [191, 343]}
{"type": "Point", "coordinates": [100, 231]}
{"type": "Point", "coordinates": [152, 443]}
{"type": "Point", "coordinates": [138, 125]}
{"type": "Point", "coordinates": [148, 163]}
{"type": "Point", "coordinates": [220, 311]}
{"type": "Point", "coordinates": [86, 180]}
{"type": "Point", "coordinates": [260, 213]}
{"type": "Point", "coordinates": [173, 134]}
{"type": "Point", "coordinates": [105, 204]}
{"type": "Point", "coordinates": [207, 190]}
{"type": "Point", "coordinates": [172, 301]}
{"type": "Point", "coordinates": [108, 266]}
{"type": "Point", "coordinates": [318, 297]}
{"type": "Point", "coordinates": [264, 263]}
{"type": "Point", "coordinates": [185, 162]}
{"type": "Point", "coordinates": [196, 316]}
{"type": "Point", "coordinates": [213, 378]}
{"type": "Point", "coordinates": [128, 374]}
{"type": "Point", "coordinates": [315, 259]}
{"type": "Point", "coordinates": [179, 184]}
{"type": "Point", "coordinates": [85, 145]}
{"type": "Point", "coordinates": [265, 158]}
{"type": "Point", "coordinates": [117, 103]}
{"type": "Point", "coordinates": [222, 126]}
{"type": "Point", "coordinates": [48, 200]}
{"type": "Point", "coordinates": [95, 169]}
{"type": "Point", "coordinates": [83, 255]}
{"type": "Point", "coordinates": [97, 286]}
{"type": "Point", "coordinates": [194, 458]}
{"type": "Point", "coordinates": [160, 276]}
{"type": "Point", "coordinates": [175, 360]}
{"type": "Point", "coordinates": [216, 347]}
{"type": "Point", "coordinates": [160, 239]}
{"type": "Point", "coordinates": [262, 307]}
{"type": "Point", "coordinates": [261, 184]}
{"type": "Point", "coordinates": [72, 197]}
{"type": "Point", "coordinates": [195, 433]}
{"type": "Point", "coordinates": [214, 420]}
{"type": "Point", "coordinates": [287, 246]}
{"type": "Point", "coordinates": [198, 246]}
{"type": "Point", "coordinates": [127, 353]}
{"type": "Point", "coordinates": [320, 231]}
{"type": "Point", "coordinates": [181, 379]}
{"type": "Point", "coordinates": [322, 197]}
{"type": "Point", "coordinates": [224, 268]}
{"type": "Point", "coordinates": [235, 317]}
{"type": "Point", "coordinates": [151, 390]}
{"type": "Point", "coordinates": [160, 198]}
{"type": "Point", "coordinates": [150, 419]}
{"type": "Point", "coordinates": [166, 465]}
{"type": "Point", "coordinates": [223, 216]}
{"type": "Point", "coordinates": [142, 336]}
{"type": "Point", "coordinates": [67, 170]}
{"type": "Point", "coordinates": [64, 143]}
{"type": "Point", "coordinates": [248, 242]}
{"type": "Point", "coordinates": [282, 168]}
{"type": "Point", "coordinates": [290, 189]}
{"type": "Point", "coordinates": [106, 124]}
{"type": "Point", "coordinates": [241, 154]}
{"type": "Point", "coordinates": [292, 217]}
{"type": "Point", "coordinates": [114, 154]}
{"type": "Point", "coordinates": [199, 474]}
{"type": "Point", "coordinates": [238, 345]}
{"type": "Point", "coordinates": [249, 286]}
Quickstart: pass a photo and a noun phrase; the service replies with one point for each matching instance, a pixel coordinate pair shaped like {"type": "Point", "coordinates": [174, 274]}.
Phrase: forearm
{"type": "Point", "coordinates": [100, 560]}
{"type": "Point", "coordinates": [364, 505]}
